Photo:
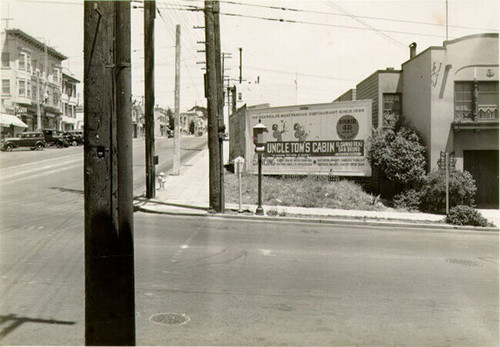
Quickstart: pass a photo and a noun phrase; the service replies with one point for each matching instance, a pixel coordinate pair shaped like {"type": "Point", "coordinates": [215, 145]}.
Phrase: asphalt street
{"type": "Point", "coordinates": [219, 281]}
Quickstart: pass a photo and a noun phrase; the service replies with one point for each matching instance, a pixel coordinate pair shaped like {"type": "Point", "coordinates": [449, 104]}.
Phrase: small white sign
{"type": "Point", "coordinates": [238, 163]}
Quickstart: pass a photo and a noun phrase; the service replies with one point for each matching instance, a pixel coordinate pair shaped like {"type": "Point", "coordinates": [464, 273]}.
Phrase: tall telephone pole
{"type": "Point", "coordinates": [241, 65]}
{"type": "Point", "coordinates": [213, 109]}
{"type": "Point", "coordinates": [177, 132]}
{"type": "Point", "coordinates": [149, 91]}
{"type": "Point", "coordinates": [109, 250]}
{"type": "Point", "coordinates": [221, 128]}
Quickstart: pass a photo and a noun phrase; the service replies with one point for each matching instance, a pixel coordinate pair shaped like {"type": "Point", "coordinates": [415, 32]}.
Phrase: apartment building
{"type": "Point", "coordinates": [33, 82]}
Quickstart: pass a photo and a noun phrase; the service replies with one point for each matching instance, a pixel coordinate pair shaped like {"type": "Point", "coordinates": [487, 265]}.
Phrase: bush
{"type": "Point", "coordinates": [398, 151]}
{"type": "Point", "coordinates": [462, 190]}
{"type": "Point", "coordinates": [409, 200]}
{"type": "Point", "coordinates": [466, 215]}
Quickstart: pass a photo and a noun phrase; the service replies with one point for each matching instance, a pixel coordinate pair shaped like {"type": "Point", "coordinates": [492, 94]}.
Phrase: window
{"type": "Point", "coordinates": [28, 63]}
{"type": "Point", "coordinates": [487, 100]}
{"type": "Point", "coordinates": [22, 61]}
{"type": "Point", "coordinates": [22, 88]}
{"type": "Point", "coordinates": [55, 98]}
{"type": "Point", "coordinates": [5, 59]}
{"type": "Point", "coordinates": [28, 89]}
{"type": "Point", "coordinates": [392, 105]}
{"type": "Point", "coordinates": [5, 86]}
{"type": "Point", "coordinates": [463, 100]}
{"type": "Point", "coordinates": [55, 76]}
{"type": "Point", "coordinates": [33, 91]}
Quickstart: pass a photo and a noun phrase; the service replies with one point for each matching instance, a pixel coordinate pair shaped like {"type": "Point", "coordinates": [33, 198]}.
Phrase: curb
{"type": "Point", "coordinates": [332, 220]}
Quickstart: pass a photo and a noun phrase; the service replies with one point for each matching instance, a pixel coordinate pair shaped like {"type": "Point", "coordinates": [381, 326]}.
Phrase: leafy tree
{"type": "Point", "coordinates": [201, 109]}
{"type": "Point", "coordinates": [397, 150]}
{"type": "Point", "coordinates": [171, 119]}
{"type": "Point", "coordinates": [462, 188]}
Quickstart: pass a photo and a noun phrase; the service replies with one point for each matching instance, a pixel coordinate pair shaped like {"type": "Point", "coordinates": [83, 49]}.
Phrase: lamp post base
{"type": "Point", "coordinates": [259, 211]}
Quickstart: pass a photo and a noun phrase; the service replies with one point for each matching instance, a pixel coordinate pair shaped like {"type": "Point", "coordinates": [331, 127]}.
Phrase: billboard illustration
{"type": "Point", "coordinates": [314, 139]}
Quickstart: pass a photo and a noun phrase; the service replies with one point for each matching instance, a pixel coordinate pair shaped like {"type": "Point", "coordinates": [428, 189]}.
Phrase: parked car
{"type": "Point", "coordinates": [56, 138]}
{"type": "Point", "coordinates": [32, 139]}
{"type": "Point", "coordinates": [76, 137]}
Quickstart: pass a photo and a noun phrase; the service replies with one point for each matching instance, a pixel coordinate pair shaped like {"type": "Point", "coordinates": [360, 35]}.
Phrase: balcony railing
{"type": "Point", "coordinates": [485, 113]}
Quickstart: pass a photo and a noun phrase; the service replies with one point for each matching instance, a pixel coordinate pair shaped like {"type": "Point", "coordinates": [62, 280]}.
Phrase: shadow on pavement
{"type": "Point", "coordinates": [68, 190]}
{"type": "Point", "coordinates": [142, 199]}
{"type": "Point", "coordinates": [12, 322]}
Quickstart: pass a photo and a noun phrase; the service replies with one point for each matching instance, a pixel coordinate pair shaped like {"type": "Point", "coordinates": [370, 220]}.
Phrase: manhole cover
{"type": "Point", "coordinates": [465, 262]}
{"type": "Point", "coordinates": [170, 318]}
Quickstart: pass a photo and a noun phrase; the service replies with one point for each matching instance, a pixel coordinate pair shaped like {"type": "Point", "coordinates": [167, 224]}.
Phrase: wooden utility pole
{"type": "Point", "coordinates": [109, 250]}
{"type": "Point", "coordinates": [241, 65]}
{"type": "Point", "coordinates": [233, 99]}
{"type": "Point", "coordinates": [220, 100]}
{"type": "Point", "coordinates": [149, 91]}
{"type": "Point", "coordinates": [177, 132]}
{"type": "Point", "coordinates": [213, 109]}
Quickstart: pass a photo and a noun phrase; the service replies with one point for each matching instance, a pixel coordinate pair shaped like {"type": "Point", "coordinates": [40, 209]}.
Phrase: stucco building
{"type": "Point", "coordinates": [450, 94]}
{"type": "Point", "coordinates": [32, 80]}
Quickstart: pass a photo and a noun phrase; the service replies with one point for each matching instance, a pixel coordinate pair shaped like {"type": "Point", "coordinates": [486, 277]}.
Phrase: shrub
{"type": "Point", "coordinates": [398, 151]}
{"type": "Point", "coordinates": [466, 215]}
{"type": "Point", "coordinates": [462, 189]}
{"type": "Point", "coordinates": [409, 199]}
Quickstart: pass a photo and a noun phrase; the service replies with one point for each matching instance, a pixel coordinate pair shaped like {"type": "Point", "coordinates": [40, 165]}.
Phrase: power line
{"type": "Point", "coordinates": [378, 31]}
{"type": "Point", "coordinates": [291, 9]}
{"type": "Point", "coordinates": [281, 20]}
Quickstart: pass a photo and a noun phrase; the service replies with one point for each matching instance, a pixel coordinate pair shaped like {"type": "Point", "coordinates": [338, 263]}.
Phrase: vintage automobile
{"type": "Point", "coordinates": [75, 136]}
{"type": "Point", "coordinates": [32, 139]}
{"type": "Point", "coordinates": [56, 138]}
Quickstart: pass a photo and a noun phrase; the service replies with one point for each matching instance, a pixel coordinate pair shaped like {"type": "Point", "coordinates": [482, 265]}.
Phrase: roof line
{"type": "Point", "coordinates": [36, 42]}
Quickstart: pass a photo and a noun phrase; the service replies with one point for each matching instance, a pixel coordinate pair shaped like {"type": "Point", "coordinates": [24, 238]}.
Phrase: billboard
{"type": "Point", "coordinates": [313, 139]}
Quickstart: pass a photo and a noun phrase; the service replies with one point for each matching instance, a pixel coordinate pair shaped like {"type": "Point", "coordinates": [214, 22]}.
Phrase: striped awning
{"type": "Point", "coordinates": [6, 120]}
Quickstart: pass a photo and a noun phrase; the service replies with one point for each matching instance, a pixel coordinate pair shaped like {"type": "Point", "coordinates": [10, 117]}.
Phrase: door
{"type": "Point", "coordinates": [483, 166]}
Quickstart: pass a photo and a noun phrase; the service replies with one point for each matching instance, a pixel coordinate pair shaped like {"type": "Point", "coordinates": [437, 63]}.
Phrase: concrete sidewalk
{"type": "Point", "coordinates": [188, 194]}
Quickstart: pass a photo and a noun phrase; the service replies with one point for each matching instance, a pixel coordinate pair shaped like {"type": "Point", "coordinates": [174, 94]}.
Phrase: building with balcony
{"type": "Point", "coordinates": [31, 80]}
{"type": "Point", "coordinates": [69, 102]}
{"type": "Point", "coordinates": [450, 94]}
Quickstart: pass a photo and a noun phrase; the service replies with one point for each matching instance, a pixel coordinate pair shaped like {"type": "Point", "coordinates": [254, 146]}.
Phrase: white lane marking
{"type": "Point", "coordinates": [41, 162]}
{"type": "Point", "coordinates": [40, 174]}
{"type": "Point", "coordinates": [39, 169]}
{"type": "Point", "coordinates": [267, 252]}
{"type": "Point", "coordinates": [184, 246]}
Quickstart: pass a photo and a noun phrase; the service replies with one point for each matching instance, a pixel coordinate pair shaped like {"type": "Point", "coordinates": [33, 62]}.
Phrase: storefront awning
{"type": "Point", "coordinates": [6, 120]}
{"type": "Point", "coordinates": [68, 120]}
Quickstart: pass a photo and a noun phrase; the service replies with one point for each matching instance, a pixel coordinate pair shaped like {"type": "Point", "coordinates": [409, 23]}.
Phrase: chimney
{"type": "Point", "coordinates": [413, 50]}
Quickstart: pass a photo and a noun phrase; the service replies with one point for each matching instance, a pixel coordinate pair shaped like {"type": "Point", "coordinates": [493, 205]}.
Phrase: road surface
{"type": "Point", "coordinates": [214, 281]}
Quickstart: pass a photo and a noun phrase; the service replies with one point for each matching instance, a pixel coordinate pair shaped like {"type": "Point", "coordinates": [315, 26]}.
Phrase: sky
{"type": "Point", "coordinates": [325, 47]}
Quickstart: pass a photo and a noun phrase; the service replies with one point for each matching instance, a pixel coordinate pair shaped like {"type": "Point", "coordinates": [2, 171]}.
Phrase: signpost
{"type": "Point", "coordinates": [260, 145]}
{"type": "Point", "coordinates": [446, 163]}
{"type": "Point", "coordinates": [239, 162]}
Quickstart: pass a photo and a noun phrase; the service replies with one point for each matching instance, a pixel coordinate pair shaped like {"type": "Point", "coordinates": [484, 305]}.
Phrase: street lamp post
{"type": "Point", "coordinates": [258, 139]}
